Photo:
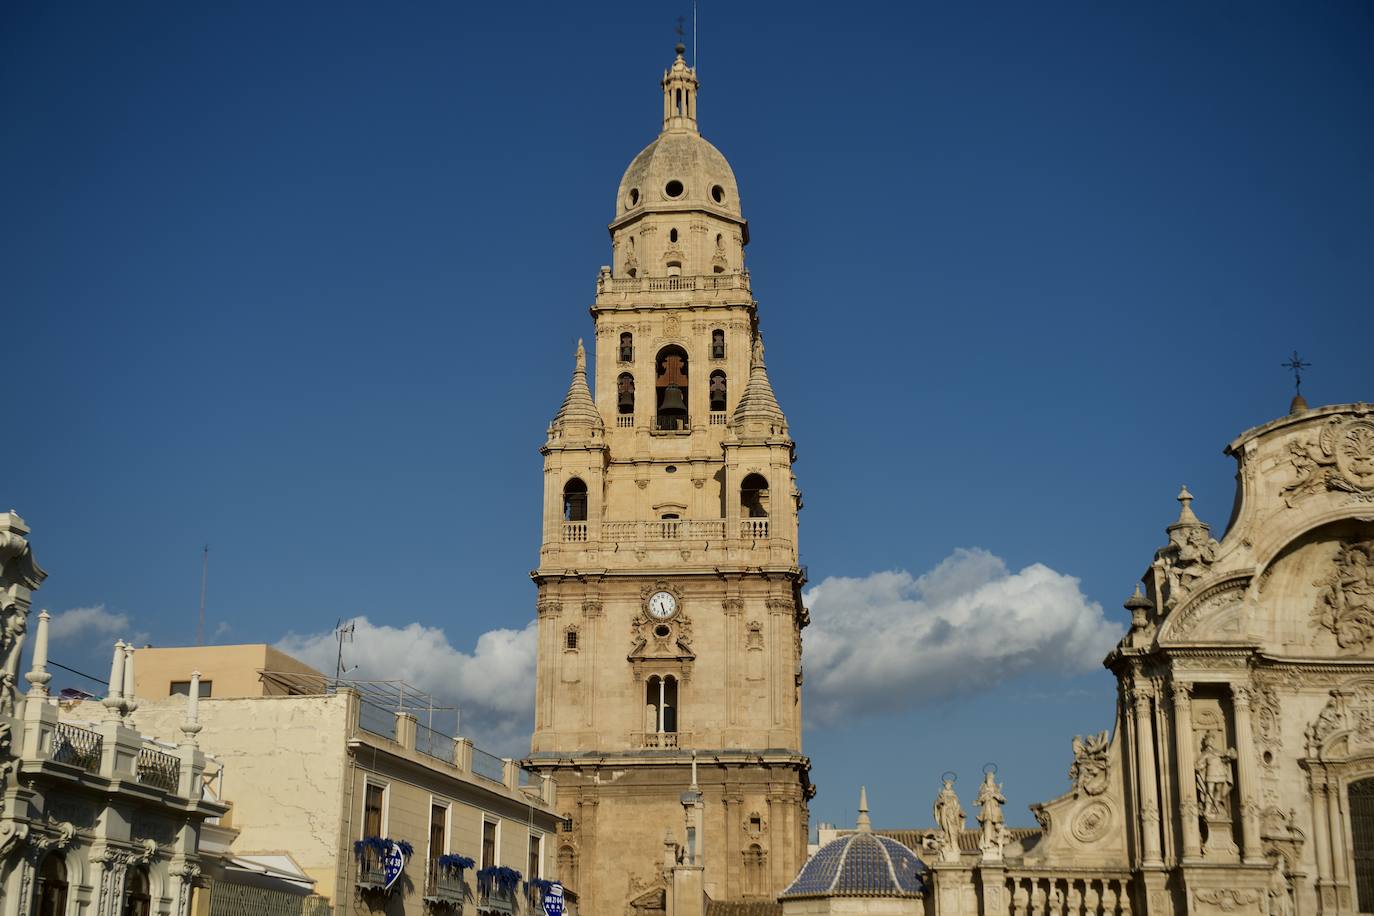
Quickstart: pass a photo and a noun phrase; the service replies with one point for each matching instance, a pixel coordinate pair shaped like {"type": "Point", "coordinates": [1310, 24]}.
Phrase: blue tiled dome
{"type": "Point", "coordinates": [860, 865]}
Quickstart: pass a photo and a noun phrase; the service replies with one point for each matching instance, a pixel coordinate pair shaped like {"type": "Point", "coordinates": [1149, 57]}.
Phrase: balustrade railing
{"type": "Point", "coordinates": [725, 281]}
{"type": "Point", "coordinates": [79, 747]}
{"type": "Point", "coordinates": [574, 532]}
{"type": "Point", "coordinates": [718, 418]}
{"type": "Point", "coordinates": [657, 740]}
{"type": "Point", "coordinates": [1069, 894]}
{"type": "Point", "coordinates": [157, 768]}
{"type": "Point", "coordinates": [625, 420]}
{"type": "Point", "coordinates": [667, 529]}
{"type": "Point", "coordinates": [753, 528]}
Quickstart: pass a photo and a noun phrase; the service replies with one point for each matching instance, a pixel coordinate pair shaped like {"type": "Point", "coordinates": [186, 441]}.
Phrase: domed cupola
{"type": "Point", "coordinates": [861, 864]}
{"type": "Point", "coordinates": [679, 172]}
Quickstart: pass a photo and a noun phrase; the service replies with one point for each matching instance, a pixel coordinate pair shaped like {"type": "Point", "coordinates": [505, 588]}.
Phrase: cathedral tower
{"type": "Point", "coordinates": [669, 605]}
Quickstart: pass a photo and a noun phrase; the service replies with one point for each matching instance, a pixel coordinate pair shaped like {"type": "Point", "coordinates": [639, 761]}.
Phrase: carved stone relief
{"type": "Point", "coordinates": [1339, 457]}
{"type": "Point", "coordinates": [1092, 823]}
{"type": "Point", "coordinates": [1345, 602]}
{"type": "Point", "coordinates": [1088, 772]}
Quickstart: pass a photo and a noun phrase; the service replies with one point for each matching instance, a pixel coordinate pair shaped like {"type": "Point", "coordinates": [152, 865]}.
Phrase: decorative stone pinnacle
{"type": "Point", "coordinates": [864, 825]}
{"type": "Point", "coordinates": [1185, 513]}
{"type": "Point", "coordinates": [114, 700]}
{"type": "Point", "coordinates": [38, 676]}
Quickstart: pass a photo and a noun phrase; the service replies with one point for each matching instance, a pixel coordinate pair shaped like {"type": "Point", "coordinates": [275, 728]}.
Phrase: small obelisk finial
{"type": "Point", "coordinates": [864, 825]}
{"type": "Point", "coordinates": [1185, 512]}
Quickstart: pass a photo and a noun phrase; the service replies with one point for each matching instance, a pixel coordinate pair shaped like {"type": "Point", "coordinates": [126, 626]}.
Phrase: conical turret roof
{"type": "Point", "coordinates": [578, 408]}
{"type": "Point", "coordinates": [758, 405]}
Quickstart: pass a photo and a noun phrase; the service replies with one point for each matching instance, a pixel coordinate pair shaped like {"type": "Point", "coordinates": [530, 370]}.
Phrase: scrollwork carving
{"type": "Point", "coordinates": [1345, 602]}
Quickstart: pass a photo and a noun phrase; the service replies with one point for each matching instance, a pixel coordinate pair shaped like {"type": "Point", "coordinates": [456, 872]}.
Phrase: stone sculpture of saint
{"type": "Point", "coordinates": [949, 818]}
{"type": "Point", "coordinates": [1214, 779]}
{"type": "Point", "coordinates": [990, 801]}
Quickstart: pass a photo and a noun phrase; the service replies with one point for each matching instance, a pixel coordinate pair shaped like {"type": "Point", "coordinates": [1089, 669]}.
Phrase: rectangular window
{"type": "Point", "coordinates": [488, 844]}
{"type": "Point", "coordinates": [438, 830]}
{"type": "Point", "coordinates": [183, 689]}
{"type": "Point", "coordinates": [536, 869]}
{"type": "Point", "coordinates": [374, 809]}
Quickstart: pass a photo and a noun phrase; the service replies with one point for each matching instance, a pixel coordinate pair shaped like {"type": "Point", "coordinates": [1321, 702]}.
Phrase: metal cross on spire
{"type": "Point", "coordinates": [1295, 364]}
{"type": "Point", "coordinates": [681, 29]}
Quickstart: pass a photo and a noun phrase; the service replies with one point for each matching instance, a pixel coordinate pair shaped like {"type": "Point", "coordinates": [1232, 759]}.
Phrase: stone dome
{"type": "Point", "coordinates": [860, 865]}
{"type": "Point", "coordinates": [680, 170]}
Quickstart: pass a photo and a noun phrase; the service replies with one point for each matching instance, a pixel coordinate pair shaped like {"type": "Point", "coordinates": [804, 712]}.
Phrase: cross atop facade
{"type": "Point", "coordinates": [1296, 365]}
{"type": "Point", "coordinates": [681, 29]}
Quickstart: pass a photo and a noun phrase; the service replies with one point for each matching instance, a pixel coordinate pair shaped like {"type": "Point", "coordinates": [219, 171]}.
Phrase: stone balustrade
{"type": "Point", "coordinates": [1068, 894]}
{"type": "Point", "coordinates": [737, 280]}
{"type": "Point", "coordinates": [658, 740]}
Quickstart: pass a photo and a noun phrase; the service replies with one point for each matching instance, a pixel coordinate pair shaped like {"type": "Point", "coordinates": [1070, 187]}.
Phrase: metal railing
{"type": "Point", "coordinates": [157, 768]}
{"type": "Point", "coordinates": [76, 746]}
{"type": "Point", "coordinates": [377, 719]}
{"type": "Point", "coordinates": [444, 885]}
{"type": "Point", "coordinates": [433, 743]}
{"type": "Point", "coordinates": [488, 766]}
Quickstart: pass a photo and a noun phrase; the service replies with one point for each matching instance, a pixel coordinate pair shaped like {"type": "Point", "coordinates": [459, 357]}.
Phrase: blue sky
{"type": "Point", "coordinates": [304, 281]}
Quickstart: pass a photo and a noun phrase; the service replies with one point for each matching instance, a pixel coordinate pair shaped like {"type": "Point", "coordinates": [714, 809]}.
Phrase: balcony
{"type": "Point", "coordinates": [667, 529]}
{"type": "Point", "coordinates": [753, 529]}
{"type": "Point", "coordinates": [671, 426]}
{"type": "Point", "coordinates": [738, 280]}
{"type": "Point", "coordinates": [574, 532]}
{"type": "Point", "coordinates": [75, 746]}
{"type": "Point", "coordinates": [371, 874]}
{"type": "Point", "coordinates": [444, 887]}
{"type": "Point", "coordinates": [158, 768]}
{"type": "Point", "coordinates": [658, 740]}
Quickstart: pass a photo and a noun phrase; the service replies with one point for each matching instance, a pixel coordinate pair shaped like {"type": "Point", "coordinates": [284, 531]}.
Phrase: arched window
{"type": "Point", "coordinates": [717, 390]}
{"type": "Point", "coordinates": [625, 393]}
{"type": "Point", "coordinates": [51, 890]}
{"type": "Point", "coordinates": [627, 347]}
{"type": "Point", "coordinates": [718, 344]}
{"type": "Point", "coordinates": [671, 389]}
{"type": "Point", "coordinates": [753, 497]}
{"type": "Point", "coordinates": [574, 501]}
{"type": "Point", "coordinates": [1362, 832]}
{"type": "Point", "coordinates": [138, 898]}
{"type": "Point", "coordinates": [754, 859]}
{"type": "Point", "coordinates": [660, 704]}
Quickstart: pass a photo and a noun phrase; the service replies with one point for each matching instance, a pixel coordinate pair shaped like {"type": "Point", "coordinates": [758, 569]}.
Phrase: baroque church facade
{"type": "Point", "coordinates": [669, 588]}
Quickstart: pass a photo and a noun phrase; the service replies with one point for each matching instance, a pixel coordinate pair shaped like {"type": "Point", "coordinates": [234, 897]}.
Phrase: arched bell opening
{"type": "Point", "coordinates": [753, 497]}
{"type": "Point", "coordinates": [718, 344]}
{"type": "Point", "coordinates": [671, 389]}
{"type": "Point", "coordinates": [138, 896]}
{"type": "Point", "coordinates": [625, 393]}
{"type": "Point", "coordinates": [718, 390]}
{"type": "Point", "coordinates": [574, 501]}
{"type": "Point", "coordinates": [627, 347]}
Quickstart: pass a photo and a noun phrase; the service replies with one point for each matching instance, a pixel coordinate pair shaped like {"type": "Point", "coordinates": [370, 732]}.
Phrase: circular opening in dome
{"type": "Point", "coordinates": [661, 631]}
{"type": "Point", "coordinates": [634, 198]}
{"type": "Point", "coordinates": [718, 194]}
{"type": "Point", "coordinates": [673, 189]}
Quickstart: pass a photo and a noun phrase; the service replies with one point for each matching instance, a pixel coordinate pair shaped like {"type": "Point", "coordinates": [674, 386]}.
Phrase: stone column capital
{"type": "Point", "coordinates": [1181, 692]}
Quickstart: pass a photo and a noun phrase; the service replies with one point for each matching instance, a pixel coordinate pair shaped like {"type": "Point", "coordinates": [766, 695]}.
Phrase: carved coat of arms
{"type": "Point", "coordinates": [1340, 457]}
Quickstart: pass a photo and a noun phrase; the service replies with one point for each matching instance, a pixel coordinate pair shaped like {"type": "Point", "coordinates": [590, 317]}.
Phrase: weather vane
{"type": "Point", "coordinates": [1296, 365]}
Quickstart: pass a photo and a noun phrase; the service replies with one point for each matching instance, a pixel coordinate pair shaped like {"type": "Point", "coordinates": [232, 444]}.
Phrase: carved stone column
{"type": "Point", "coordinates": [1325, 895]}
{"type": "Point", "coordinates": [1251, 849]}
{"type": "Point", "coordinates": [1337, 834]}
{"type": "Point", "coordinates": [733, 800]}
{"type": "Point", "coordinates": [1187, 790]}
{"type": "Point", "coordinates": [1145, 774]}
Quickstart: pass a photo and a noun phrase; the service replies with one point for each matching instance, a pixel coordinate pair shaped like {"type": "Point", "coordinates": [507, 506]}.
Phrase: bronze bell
{"type": "Point", "coordinates": [672, 401]}
{"type": "Point", "coordinates": [627, 401]}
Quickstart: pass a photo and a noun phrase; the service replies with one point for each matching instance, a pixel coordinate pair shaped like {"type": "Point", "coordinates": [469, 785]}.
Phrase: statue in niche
{"type": "Point", "coordinates": [1214, 778]}
{"type": "Point", "coordinates": [990, 801]}
{"type": "Point", "coordinates": [949, 818]}
{"type": "Point", "coordinates": [13, 625]}
{"type": "Point", "coordinates": [1345, 600]}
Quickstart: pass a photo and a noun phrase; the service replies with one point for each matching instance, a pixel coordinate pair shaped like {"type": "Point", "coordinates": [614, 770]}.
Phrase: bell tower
{"type": "Point", "coordinates": [669, 603]}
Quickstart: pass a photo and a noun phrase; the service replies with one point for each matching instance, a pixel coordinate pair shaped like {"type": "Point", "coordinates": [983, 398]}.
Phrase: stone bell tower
{"type": "Point", "coordinates": [669, 604]}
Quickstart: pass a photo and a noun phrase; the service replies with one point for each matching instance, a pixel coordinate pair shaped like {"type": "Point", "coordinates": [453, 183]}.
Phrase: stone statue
{"type": "Point", "coordinates": [1280, 898]}
{"type": "Point", "coordinates": [949, 818]}
{"type": "Point", "coordinates": [13, 625]}
{"type": "Point", "coordinates": [1345, 600]}
{"type": "Point", "coordinates": [990, 801]}
{"type": "Point", "coordinates": [1088, 772]}
{"type": "Point", "coordinates": [1214, 778]}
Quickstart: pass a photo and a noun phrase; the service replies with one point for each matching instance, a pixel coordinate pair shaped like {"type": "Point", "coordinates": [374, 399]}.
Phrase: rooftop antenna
{"type": "Point", "coordinates": [204, 574]}
{"type": "Point", "coordinates": [341, 631]}
{"type": "Point", "coordinates": [694, 34]}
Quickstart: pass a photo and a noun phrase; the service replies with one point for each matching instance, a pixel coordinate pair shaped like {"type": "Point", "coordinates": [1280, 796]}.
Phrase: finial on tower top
{"type": "Point", "coordinates": [864, 825]}
{"type": "Point", "coordinates": [1296, 364]}
{"type": "Point", "coordinates": [581, 355]}
{"type": "Point", "coordinates": [1185, 512]}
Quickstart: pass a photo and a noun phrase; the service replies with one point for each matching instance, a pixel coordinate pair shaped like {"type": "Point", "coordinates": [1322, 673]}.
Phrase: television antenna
{"type": "Point", "coordinates": [342, 631]}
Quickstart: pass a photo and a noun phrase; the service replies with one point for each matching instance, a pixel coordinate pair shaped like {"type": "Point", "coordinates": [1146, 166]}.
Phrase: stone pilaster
{"type": "Point", "coordinates": [1252, 851]}
{"type": "Point", "coordinates": [1187, 791]}
{"type": "Point", "coordinates": [1146, 774]}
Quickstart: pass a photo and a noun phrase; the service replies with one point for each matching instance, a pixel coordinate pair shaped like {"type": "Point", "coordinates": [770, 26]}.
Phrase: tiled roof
{"type": "Point", "coordinates": [968, 840]}
{"type": "Point", "coordinates": [743, 908]}
{"type": "Point", "coordinates": [860, 865]}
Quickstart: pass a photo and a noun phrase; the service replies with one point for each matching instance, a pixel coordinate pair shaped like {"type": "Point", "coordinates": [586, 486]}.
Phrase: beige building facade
{"type": "Point", "coordinates": [318, 766]}
{"type": "Point", "coordinates": [669, 586]}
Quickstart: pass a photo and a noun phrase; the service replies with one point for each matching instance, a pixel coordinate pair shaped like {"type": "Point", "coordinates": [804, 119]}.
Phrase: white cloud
{"type": "Point", "coordinates": [892, 640]}
{"type": "Point", "coordinates": [493, 686]}
{"type": "Point", "coordinates": [90, 623]}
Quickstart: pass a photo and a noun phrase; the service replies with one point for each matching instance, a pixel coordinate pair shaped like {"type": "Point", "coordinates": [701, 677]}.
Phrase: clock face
{"type": "Point", "coordinates": [662, 605]}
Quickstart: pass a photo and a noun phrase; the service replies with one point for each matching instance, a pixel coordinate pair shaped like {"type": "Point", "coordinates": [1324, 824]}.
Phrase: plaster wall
{"type": "Point", "coordinates": [233, 670]}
